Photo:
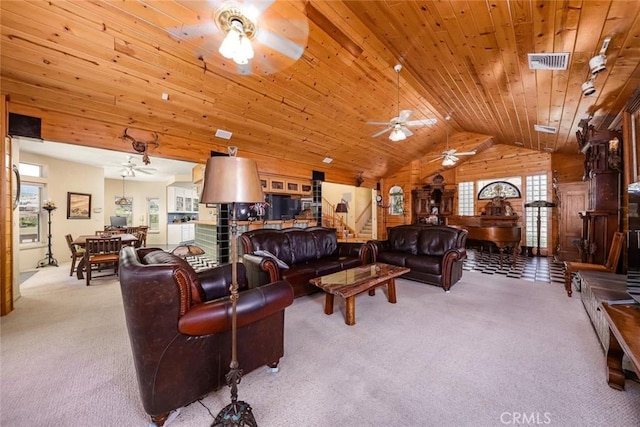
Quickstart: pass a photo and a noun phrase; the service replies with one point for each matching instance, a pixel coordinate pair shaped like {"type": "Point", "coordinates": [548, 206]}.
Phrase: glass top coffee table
{"type": "Point", "coordinates": [349, 283]}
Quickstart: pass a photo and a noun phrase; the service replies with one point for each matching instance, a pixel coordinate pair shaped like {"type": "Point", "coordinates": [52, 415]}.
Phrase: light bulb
{"type": "Point", "coordinates": [448, 162]}
{"type": "Point", "coordinates": [397, 135]}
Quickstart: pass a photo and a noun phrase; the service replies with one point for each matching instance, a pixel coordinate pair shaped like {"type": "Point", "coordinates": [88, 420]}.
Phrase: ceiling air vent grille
{"type": "Point", "coordinates": [545, 129]}
{"type": "Point", "coordinates": [548, 61]}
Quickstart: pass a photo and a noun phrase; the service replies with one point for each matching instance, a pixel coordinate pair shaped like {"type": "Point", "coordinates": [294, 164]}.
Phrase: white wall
{"type": "Point", "coordinates": [140, 191]}
{"type": "Point", "coordinates": [62, 176]}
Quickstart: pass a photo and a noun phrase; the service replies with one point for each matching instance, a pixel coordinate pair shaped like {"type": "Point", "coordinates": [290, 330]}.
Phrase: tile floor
{"type": "Point", "coordinates": [538, 269]}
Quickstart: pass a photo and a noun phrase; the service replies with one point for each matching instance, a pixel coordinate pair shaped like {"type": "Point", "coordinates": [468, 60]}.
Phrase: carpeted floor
{"type": "Point", "coordinates": [489, 353]}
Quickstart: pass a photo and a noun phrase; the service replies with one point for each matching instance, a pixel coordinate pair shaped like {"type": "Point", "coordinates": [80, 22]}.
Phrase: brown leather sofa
{"type": "Point", "coordinates": [303, 253]}
{"type": "Point", "coordinates": [434, 254]}
{"type": "Point", "coordinates": [179, 325]}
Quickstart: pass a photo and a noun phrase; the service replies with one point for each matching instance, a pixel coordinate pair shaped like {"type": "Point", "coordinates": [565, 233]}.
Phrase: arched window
{"type": "Point", "coordinates": [396, 200]}
{"type": "Point", "coordinates": [502, 189]}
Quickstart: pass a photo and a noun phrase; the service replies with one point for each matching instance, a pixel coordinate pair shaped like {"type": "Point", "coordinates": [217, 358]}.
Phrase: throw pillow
{"type": "Point", "coordinates": [278, 261]}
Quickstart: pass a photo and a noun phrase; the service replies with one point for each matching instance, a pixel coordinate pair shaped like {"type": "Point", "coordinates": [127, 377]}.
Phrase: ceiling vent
{"type": "Point", "coordinates": [548, 61]}
{"type": "Point", "coordinates": [545, 129]}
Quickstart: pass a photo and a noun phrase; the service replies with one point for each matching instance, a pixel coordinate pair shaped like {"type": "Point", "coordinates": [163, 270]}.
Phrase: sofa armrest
{"type": "Point", "coordinates": [375, 247]}
{"type": "Point", "coordinates": [451, 256]}
{"type": "Point", "coordinates": [215, 316]}
{"type": "Point", "coordinates": [350, 249]}
{"type": "Point", "coordinates": [260, 270]}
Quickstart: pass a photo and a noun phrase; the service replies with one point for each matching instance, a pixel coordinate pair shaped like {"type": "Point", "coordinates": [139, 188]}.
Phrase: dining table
{"type": "Point", "coordinates": [81, 241]}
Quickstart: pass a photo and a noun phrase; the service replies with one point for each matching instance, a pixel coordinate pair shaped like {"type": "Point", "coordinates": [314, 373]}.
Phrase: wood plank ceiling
{"type": "Point", "coordinates": [92, 68]}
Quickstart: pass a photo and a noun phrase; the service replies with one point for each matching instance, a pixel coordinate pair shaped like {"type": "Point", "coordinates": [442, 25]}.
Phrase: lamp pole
{"type": "Point", "coordinates": [49, 259]}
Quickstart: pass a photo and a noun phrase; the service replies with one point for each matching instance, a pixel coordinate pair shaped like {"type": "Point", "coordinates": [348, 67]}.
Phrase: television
{"type": "Point", "coordinates": [118, 221]}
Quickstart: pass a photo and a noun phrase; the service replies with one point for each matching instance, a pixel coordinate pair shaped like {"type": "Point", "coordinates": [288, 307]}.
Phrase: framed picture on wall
{"type": "Point", "coordinates": [78, 206]}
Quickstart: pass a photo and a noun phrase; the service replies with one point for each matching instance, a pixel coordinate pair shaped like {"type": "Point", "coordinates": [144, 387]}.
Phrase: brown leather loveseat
{"type": "Point", "coordinates": [298, 254]}
{"type": "Point", "coordinates": [434, 254]}
{"type": "Point", "coordinates": [179, 325]}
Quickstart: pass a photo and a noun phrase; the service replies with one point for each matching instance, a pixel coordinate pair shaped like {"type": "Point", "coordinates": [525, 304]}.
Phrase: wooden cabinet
{"type": "Point", "coordinates": [431, 201]}
{"type": "Point", "coordinates": [602, 218]}
{"type": "Point", "coordinates": [284, 185]}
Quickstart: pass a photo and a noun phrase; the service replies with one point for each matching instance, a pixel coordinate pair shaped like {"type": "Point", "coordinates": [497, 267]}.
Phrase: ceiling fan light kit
{"type": "Point", "coordinates": [399, 126]}
{"type": "Point", "coordinates": [597, 64]}
{"type": "Point", "coordinates": [240, 30]}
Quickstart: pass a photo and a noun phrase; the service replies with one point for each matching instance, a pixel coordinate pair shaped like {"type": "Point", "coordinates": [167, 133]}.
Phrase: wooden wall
{"type": "Point", "coordinates": [93, 133]}
{"type": "Point", "coordinates": [6, 217]}
{"type": "Point", "coordinates": [497, 161]}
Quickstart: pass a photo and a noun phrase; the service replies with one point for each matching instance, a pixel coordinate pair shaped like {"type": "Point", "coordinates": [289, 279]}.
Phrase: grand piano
{"type": "Point", "coordinates": [501, 230]}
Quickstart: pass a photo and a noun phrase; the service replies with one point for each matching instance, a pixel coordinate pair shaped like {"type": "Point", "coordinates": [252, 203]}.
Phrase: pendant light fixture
{"type": "Point", "coordinates": [122, 200]}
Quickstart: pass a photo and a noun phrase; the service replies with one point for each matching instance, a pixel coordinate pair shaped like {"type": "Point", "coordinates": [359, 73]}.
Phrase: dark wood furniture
{"type": "Point", "coordinates": [602, 172]}
{"type": "Point", "coordinates": [349, 283]}
{"type": "Point", "coordinates": [501, 230]}
{"type": "Point", "coordinates": [81, 241]}
{"type": "Point", "coordinates": [432, 199]}
{"type": "Point", "coordinates": [624, 338]}
{"type": "Point", "coordinates": [76, 253]}
{"type": "Point", "coordinates": [609, 267]}
{"type": "Point", "coordinates": [102, 251]}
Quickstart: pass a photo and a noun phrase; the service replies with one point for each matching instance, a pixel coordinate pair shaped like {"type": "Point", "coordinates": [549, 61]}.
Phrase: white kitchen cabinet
{"type": "Point", "coordinates": [180, 232]}
{"type": "Point", "coordinates": [182, 200]}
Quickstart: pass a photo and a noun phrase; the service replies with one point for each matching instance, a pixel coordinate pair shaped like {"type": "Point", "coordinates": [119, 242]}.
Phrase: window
{"type": "Point", "coordinates": [536, 189]}
{"type": "Point", "coordinates": [465, 198]}
{"type": "Point", "coordinates": [396, 199]}
{"type": "Point", "coordinates": [502, 189]}
{"type": "Point", "coordinates": [153, 213]}
{"type": "Point", "coordinates": [28, 169]}
{"type": "Point", "coordinates": [29, 212]}
{"type": "Point", "coordinates": [125, 210]}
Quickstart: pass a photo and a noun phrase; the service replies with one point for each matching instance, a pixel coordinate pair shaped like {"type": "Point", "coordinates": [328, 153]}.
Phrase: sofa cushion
{"type": "Point", "coordinates": [424, 263]}
{"type": "Point", "coordinates": [436, 241]}
{"type": "Point", "coordinates": [326, 241]}
{"type": "Point", "coordinates": [403, 239]}
{"type": "Point", "coordinates": [162, 257]}
{"type": "Point", "coordinates": [394, 258]}
{"type": "Point", "coordinates": [304, 245]}
{"type": "Point", "coordinates": [276, 243]}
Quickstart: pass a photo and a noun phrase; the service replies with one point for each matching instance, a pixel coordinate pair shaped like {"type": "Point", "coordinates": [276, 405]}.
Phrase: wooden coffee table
{"type": "Point", "coordinates": [354, 281]}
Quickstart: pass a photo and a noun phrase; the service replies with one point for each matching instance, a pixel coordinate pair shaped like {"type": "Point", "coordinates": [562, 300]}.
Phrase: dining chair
{"type": "Point", "coordinates": [76, 253]}
{"type": "Point", "coordinates": [609, 267]}
{"type": "Point", "coordinates": [141, 234]}
{"type": "Point", "coordinates": [101, 251]}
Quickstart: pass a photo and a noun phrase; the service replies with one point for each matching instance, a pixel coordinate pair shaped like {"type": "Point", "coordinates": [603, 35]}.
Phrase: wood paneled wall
{"type": "Point", "coordinates": [497, 161]}
{"type": "Point", "coordinates": [92, 133]}
{"type": "Point", "coordinates": [6, 216]}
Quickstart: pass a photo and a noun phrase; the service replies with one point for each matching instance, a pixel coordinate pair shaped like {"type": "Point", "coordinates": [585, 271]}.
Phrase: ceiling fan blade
{"type": "Point", "coordinates": [465, 153]}
{"type": "Point", "coordinates": [377, 123]}
{"type": "Point", "coordinates": [406, 131]}
{"type": "Point", "coordinates": [145, 171]}
{"type": "Point", "coordinates": [289, 48]}
{"type": "Point", "coordinates": [436, 159]}
{"type": "Point", "coordinates": [404, 115]}
{"type": "Point", "coordinates": [423, 122]}
{"type": "Point", "coordinates": [452, 157]}
{"type": "Point", "coordinates": [382, 132]}
{"type": "Point", "coordinates": [259, 5]}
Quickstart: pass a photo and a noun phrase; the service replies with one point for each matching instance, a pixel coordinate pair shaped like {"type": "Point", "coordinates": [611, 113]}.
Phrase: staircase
{"type": "Point", "coordinates": [366, 232]}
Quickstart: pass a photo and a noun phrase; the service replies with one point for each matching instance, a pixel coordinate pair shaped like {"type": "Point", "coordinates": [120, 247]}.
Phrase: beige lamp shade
{"type": "Point", "coordinates": [231, 180]}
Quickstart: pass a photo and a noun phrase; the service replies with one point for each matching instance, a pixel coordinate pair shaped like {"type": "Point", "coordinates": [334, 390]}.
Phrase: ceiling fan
{"type": "Point", "coordinates": [130, 168]}
{"type": "Point", "coordinates": [399, 126]}
{"type": "Point", "coordinates": [276, 31]}
{"type": "Point", "coordinates": [450, 156]}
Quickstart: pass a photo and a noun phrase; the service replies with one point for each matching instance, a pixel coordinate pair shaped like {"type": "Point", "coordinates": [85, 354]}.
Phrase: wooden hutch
{"type": "Point", "coordinates": [433, 203]}
{"type": "Point", "coordinates": [602, 164]}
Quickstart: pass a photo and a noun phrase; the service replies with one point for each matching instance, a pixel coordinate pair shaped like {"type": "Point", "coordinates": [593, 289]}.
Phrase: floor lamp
{"type": "Point", "coordinates": [539, 204]}
{"type": "Point", "coordinates": [233, 180]}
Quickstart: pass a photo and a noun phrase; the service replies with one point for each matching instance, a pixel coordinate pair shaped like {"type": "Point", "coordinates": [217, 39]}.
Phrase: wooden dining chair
{"type": "Point", "coordinates": [102, 251]}
{"type": "Point", "coordinates": [76, 253]}
{"type": "Point", "coordinates": [141, 234]}
{"type": "Point", "coordinates": [610, 266]}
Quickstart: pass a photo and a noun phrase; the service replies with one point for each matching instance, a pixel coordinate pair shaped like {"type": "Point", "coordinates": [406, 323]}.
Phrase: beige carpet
{"type": "Point", "coordinates": [493, 352]}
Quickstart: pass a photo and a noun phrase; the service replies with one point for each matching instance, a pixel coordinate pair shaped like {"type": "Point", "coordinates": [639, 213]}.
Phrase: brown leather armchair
{"type": "Point", "coordinates": [179, 325]}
